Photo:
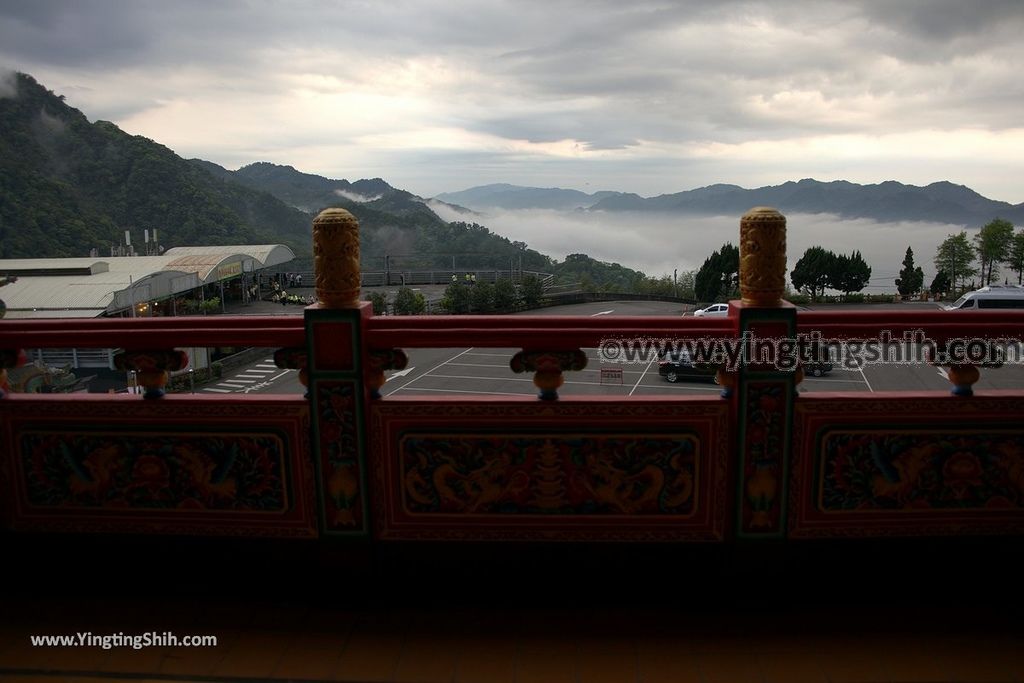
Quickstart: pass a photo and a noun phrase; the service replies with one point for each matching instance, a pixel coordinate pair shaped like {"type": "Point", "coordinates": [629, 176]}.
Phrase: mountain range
{"type": "Point", "coordinates": [890, 201]}
{"type": "Point", "coordinates": [68, 185]}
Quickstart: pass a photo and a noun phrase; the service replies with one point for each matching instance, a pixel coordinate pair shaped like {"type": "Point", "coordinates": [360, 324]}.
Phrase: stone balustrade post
{"type": "Point", "coordinates": [336, 366]}
{"type": "Point", "coordinates": [766, 384]}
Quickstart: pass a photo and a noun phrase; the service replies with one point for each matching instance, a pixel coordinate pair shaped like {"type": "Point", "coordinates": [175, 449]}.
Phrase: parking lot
{"type": "Point", "coordinates": [485, 371]}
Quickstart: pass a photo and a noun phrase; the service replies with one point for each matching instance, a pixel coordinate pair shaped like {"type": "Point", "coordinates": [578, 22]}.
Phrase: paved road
{"type": "Point", "coordinates": [485, 371]}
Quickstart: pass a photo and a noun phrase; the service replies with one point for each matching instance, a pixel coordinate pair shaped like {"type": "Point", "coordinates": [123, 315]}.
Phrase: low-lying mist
{"type": "Point", "coordinates": [657, 243]}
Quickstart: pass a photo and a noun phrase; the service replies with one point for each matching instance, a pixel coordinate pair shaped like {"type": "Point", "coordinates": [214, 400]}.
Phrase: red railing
{"type": "Point", "coordinates": [545, 332]}
{"type": "Point", "coordinates": [761, 462]}
{"type": "Point", "coordinates": [938, 325]}
{"type": "Point", "coordinates": [154, 333]}
{"type": "Point", "coordinates": [527, 331]}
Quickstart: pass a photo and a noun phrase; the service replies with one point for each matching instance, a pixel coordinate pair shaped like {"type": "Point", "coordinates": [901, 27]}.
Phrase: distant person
{"type": "Point", "coordinates": [298, 280]}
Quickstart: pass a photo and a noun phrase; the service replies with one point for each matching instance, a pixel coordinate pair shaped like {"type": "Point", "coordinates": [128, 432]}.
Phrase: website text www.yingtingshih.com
{"type": "Point", "coordinates": [911, 347]}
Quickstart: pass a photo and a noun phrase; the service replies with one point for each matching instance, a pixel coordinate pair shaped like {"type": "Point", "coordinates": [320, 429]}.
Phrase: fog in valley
{"type": "Point", "coordinates": [657, 243]}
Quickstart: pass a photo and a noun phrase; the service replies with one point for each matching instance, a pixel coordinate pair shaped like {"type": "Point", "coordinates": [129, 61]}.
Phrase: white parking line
{"type": "Point", "coordinates": [520, 379]}
{"type": "Point", "coordinates": [487, 379]}
{"type": "Point", "coordinates": [248, 377]}
{"type": "Point", "coordinates": [463, 391]}
{"type": "Point", "coordinates": [641, 378]}
{"type": "Point", "coordinates": [219, 391]}
{"type": "Point", "coordinates": [683, 386]}
{"type": "Point", "coordinates": [231, 384]}
{"type": "Point", "coordinates": [833, 381]}
{"type": "Point", "coordinates": [861, 369]}
{"type": "Point", "coordinates": [482, 365]}
{"type": "Point", "coordinates": [429, 371]}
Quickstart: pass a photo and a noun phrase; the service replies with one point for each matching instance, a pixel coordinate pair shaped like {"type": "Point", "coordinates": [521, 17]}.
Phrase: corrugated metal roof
{"type": "Point", "coordinates": [267, 254]}
{"type": "Point", "coordinates": [148, 276]}
{"type": "Point", "coordinates": [82, 313]}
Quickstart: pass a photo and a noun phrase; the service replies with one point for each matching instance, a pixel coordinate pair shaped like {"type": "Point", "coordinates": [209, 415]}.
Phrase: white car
{"type": "Point", "coordinates": [712, 310]}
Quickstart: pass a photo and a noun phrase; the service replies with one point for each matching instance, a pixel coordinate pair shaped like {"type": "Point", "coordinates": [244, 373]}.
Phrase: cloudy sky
{"type": "Point", "coordinates": [647, 97]}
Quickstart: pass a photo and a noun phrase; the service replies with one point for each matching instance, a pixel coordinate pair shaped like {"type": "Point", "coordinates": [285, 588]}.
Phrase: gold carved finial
{"type": "Point", "coordinates": [336, 258]}
{"type": "Point", "coordinates": [762, 256]}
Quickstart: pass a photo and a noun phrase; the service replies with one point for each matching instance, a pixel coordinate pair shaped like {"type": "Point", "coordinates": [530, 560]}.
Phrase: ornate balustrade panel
{"type": "Point", "coordinates": [182, 465]}
{"type": "Point", "coordinates": [576, 469]}
{"type": "Point", "coordinates": [343, 462]}
{"type": "Point", "coordinates": [907, 465]}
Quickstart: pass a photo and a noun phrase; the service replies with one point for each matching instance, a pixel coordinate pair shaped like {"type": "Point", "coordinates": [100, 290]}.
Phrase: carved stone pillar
{"type": "Point", "coordinates": [762, 257]}
{"type": "Point", "coordinates": [336, 258]}
{"type": "Point", "coordinates": [336, 362]}
{"type": "Point", "coordinates": [766, 383]}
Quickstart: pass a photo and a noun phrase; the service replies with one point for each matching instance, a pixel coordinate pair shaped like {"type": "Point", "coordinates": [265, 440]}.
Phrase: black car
{"type": "Point", "coordinates": [679, 366]}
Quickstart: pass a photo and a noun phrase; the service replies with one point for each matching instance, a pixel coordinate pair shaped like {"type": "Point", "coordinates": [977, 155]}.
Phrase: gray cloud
{"type": "Point", "coordinates": [637, 85]}
{"type": "Point", "coordinates": [8, 85]}
{"type": "Point", "coordinates": [657, 244]}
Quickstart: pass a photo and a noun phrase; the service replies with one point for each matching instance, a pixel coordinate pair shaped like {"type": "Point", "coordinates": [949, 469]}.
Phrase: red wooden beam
{"type": "Point", "coordinates": [539, 332]}
{"type": "Point", "coordinates": [154, 333]}
{"type": "Point", "coordinates": [937, 325]}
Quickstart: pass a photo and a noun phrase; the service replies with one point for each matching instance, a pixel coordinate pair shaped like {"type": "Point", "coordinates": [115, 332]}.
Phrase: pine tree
{"type": "Point", "coordinates": [911, 278]}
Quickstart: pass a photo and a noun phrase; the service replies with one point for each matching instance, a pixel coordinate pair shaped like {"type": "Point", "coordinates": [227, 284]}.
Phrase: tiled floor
{"type": "Point", "coordinates": [527, 644]}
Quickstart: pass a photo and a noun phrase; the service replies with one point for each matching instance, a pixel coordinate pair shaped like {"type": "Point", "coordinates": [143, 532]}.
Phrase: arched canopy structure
{"type": "Point", "coordinates": [91, 287]}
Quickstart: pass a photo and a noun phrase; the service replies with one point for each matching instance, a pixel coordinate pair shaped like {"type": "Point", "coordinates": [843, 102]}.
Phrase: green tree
{"type": "Point", "coordinates": [940, 285]}
{"type": "Point", "coordinates": [718, 277]}
{"type": "Point", "coordinates": [812, 272]}
{"type": "Point", "coordinates": [911, 278]}
{"type": "Point", "coordinates": [408, 302]}
{"type": "Point", "coordinates": [505, 296]}
{"type": "Point", "coordinates": [993, 243]}
{"type": "Point", "coordinates": [456, 299]}
{"type": "Point", "coordinates": [1016, 256]}
{"type": "Point", "coordinates": [684, 286]}
{"type": "Point", "coordinates": [955, 257]}
{"type": "Point", "coordinates": [481, 297]}
{"type": "Point", "coordinates": [532, 291]}
{"type": "Point", "coordinates": [849, 273]}
{"type": "Point", "coordinates": [379, 300]}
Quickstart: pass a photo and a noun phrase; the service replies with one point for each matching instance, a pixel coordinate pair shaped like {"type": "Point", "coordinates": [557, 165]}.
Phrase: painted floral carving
{"type": "Point", "coordinates": [546, 474]}
{"type": "Point", "coordinates": [162, 471]}
{"type": "Point", "coordinates": [921, 471]}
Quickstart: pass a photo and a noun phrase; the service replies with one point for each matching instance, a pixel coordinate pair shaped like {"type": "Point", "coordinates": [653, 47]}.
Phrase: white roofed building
{"type": "Point", "coordinates": [128, 286]}
{"type": "Point", "coordinates": [93, 287]}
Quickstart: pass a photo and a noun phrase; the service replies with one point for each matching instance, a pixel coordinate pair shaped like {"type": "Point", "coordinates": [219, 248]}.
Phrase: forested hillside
{"type": "Point", "coordinates": [68, 185]}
